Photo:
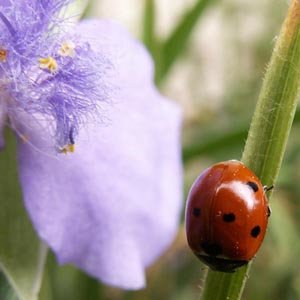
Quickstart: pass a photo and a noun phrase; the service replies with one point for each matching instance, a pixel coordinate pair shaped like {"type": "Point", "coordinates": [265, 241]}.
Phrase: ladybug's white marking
{"type": "Point", "coordinates": [242, 191]}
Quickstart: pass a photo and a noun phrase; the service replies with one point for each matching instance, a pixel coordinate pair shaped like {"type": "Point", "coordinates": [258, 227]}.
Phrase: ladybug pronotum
{"type": "Point", "coordinates": [226, 216]}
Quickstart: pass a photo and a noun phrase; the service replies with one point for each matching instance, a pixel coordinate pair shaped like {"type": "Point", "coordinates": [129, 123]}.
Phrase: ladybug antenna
{"type": "Point", "coordinates": [268, 188]}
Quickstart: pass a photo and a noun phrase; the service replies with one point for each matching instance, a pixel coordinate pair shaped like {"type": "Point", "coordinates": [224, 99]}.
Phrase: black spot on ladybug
{"type": "Point", "coordinates": [269, 212]}
{"type": "Point", "coordinates": [255, 231]}
{"type": "Point", "coordinates": [253, 186]}
{"type": "Point", "coordinates": [196, 211]}
{"type": "Point", "coordinates": [230, 217]}
{"type": "Point", "coordinates": [212, 249]}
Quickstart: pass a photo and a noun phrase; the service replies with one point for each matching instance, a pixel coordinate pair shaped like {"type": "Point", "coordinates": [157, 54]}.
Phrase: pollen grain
{"type": "Point", "coordinates": [67, 49]}
{"type": "Point", "coordinates": [70, 148]}
{"type": "Point", "coordinates": [3, 55]}
{"type": "Point", "coordinates": [48, 63]}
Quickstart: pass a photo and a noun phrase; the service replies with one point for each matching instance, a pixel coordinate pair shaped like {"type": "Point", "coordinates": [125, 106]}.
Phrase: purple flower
{"type": "Point", "coordinates": [98, 146]}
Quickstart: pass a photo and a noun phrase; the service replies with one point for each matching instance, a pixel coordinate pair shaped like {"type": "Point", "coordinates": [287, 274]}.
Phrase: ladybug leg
{"type": "Point", "coordinates": [268, 188]}
{"type": "Point", "coordinates": [269, 211]}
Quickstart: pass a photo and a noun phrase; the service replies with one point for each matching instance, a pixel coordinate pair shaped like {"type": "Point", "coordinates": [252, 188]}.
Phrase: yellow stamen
{"type": "Point", "coordinates": [67, 49]}
{"type": "Point", "coordinates": [70, 148]}
{"type": "Point", "coordinates": [3, 55]}
{"type": "Point", "coordinates": [48, 63]}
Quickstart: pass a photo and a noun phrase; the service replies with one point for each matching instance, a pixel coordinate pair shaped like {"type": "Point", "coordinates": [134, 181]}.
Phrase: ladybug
{"type": "Point", "coordinates": [226, 216]}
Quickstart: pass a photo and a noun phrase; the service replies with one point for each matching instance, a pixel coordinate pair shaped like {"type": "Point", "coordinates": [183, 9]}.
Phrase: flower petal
{"type": "Point", "coordinates": [112, 41]}
{"type": "Point", "coordinates": [113, 206]}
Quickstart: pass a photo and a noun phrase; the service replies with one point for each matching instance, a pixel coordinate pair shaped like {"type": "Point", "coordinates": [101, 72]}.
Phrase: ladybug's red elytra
{"type": "Point", "coordinates": [226, 216]}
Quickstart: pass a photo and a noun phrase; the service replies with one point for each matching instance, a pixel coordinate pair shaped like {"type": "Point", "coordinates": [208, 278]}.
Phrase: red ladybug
{"type": "Point", "coordinates": [226, 216]}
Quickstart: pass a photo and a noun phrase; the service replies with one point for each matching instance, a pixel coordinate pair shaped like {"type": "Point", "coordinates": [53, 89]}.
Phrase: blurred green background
{"type": "Point", "coordinates": [210, 58]}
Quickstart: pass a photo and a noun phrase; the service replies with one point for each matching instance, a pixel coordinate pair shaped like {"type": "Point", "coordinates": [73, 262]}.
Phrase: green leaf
{"type": "Point", "coordinates": [217, 139]}
{"type": "Point", "coordinates": [214, 139]}
{"type": "Point", "coordinates": [68, 282]}
{"type": "Point", "coordinates": [22, 255]}
{"type": "Point", "coordinates": [149, 24]}
{"type": "Point", "coordinates": [6, 291]}
{"type": "Point", "coordinates": [269, 131]}
{"type": "Point", "coordinates": [177, 41]}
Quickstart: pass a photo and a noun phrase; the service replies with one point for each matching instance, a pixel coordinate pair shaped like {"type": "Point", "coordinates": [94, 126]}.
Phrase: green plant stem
{"type": "Point", "coordinates": [268, 134]}
{"type": "Point", "coordinates": [176, 43]}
